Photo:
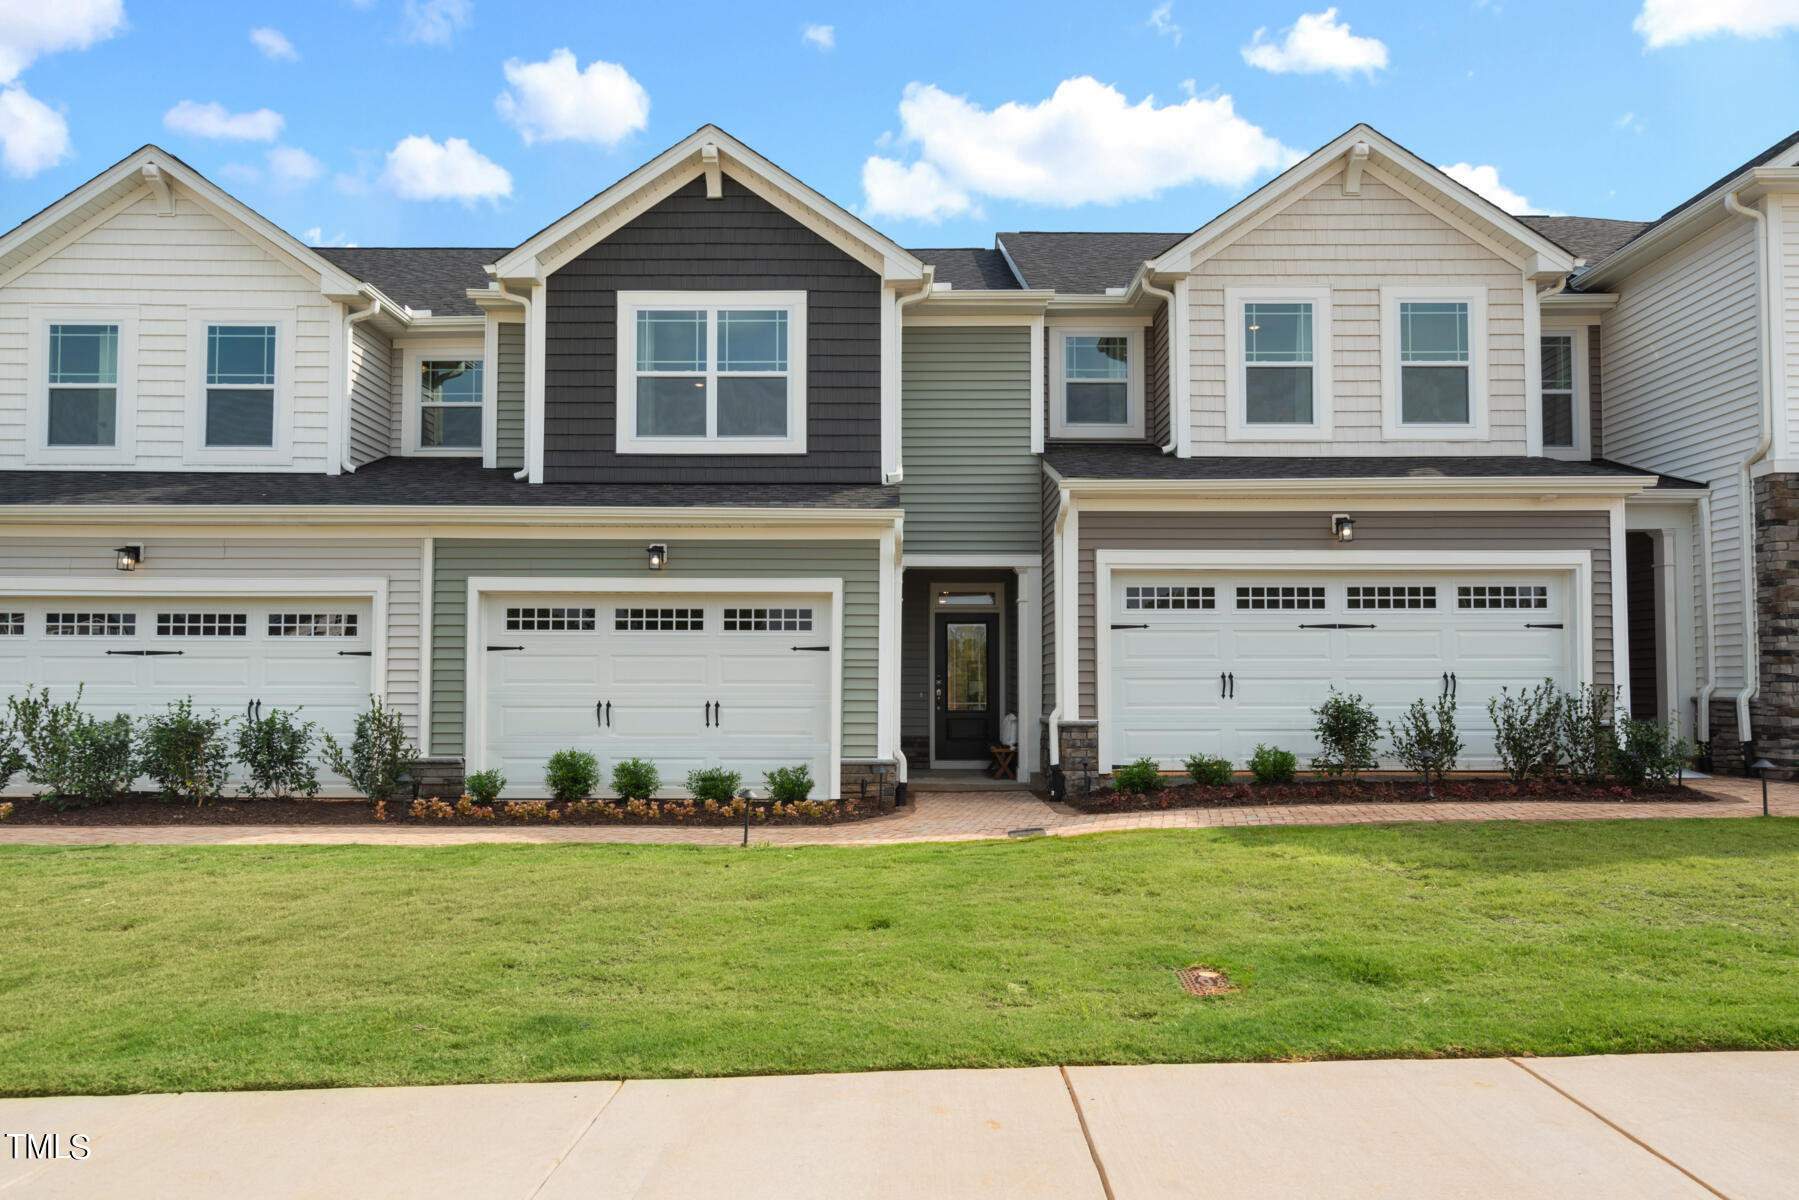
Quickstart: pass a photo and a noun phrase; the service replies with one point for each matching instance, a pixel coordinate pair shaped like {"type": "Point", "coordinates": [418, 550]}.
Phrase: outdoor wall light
{"type": "Point", "coordinates": [1343, 527]}
{"type": "Point", "coordinates": [658, 555]}
{"type": "Point", "coordinates": [128, 557]}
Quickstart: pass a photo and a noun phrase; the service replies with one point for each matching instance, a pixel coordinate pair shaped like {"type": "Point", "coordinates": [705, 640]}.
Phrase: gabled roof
{"type": "Point", "coordinates": [1424, 182]}
{"type": "Point", "coordinates": [1591, 238]}
{"type": "Point", "coordinates": [970, 268]}
{"type": "Point", "coordinates": [153, 168]}
{"type": "Point", "coordinates": [707, 151]}
{"type": "Point", "coordinates": [433, 278]}
{"type": "Point", "coordinates": [1084, 263]}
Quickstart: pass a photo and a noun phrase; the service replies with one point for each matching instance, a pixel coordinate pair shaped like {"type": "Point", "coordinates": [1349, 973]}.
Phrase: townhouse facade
{"type": "Point", "coordinates": [711, 472]}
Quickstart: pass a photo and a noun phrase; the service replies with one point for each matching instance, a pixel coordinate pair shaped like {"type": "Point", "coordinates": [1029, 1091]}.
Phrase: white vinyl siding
{"type": "Point", "coordinates": [1355, 246]}
{"type": "Point", "coordinates": [371, 394]}
{"type": "Point", "coordinates": [159, 270]}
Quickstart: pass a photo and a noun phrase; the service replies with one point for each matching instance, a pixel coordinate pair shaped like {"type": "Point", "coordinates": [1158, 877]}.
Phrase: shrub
{"type": "Point", "coordinates": [789, 785]}
{"type": "Point", "coordinates": [571, 774]}
{"type": "Point", "coordinates": [1649, 753]}
{"type": "Point", "coordinates": [12, 751]}
{"type": "Point", "coordinates": [74, 759]}
{"type": "Point", "coordinates": [377, 754]}
{"type": "Point", "coordinates": [276, 753]}
{"type": "Point", "coordinates": [1425, 738]}
{"type": "Point", "coordinates": [1347, 730]}
{"type": "Point", "coordinates": [1589, 735]}
{"type": "Point", "coordinates": [1209, 772]}
{"type": "Point", "coordinates": [185, 753]}
{"type": "Point", "coordinates": [1527, 730]}
{"type": "Point", "coordinates": [635, 779]}
{"type": "Point", "coordinates": [484, 787]}
{"type": "Point", "coordinates": [100, 765]}
{"type": "Point", "coordinates": [1270, 764]}
{"type": "Point", "coordinates": [1139, 778]}
{"type": "Point", "coordinates": [714, 783]}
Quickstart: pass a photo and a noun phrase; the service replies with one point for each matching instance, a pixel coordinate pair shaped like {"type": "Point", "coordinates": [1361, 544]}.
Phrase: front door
{"type": "Point", "coordinates": [967, 696]}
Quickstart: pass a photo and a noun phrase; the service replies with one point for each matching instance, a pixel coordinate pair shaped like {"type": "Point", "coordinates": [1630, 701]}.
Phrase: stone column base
{"type": "Point", "coordinates": [1727, 747]}
{"type": "Point", "coordinates": [438, 777]}
{"type": "Point", "coordinates": [868, 785]}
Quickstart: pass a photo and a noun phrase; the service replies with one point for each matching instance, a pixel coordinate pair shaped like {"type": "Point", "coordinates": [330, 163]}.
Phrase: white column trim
{"type": "Point", "coordinates": [1039, 401]}
{"type": "Point", "coordinates": [1029, 632]}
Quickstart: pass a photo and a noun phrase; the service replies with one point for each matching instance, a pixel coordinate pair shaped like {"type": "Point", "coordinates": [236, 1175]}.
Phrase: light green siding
{"type": "Point", "coordinates": [971, 483]}
{"type": "Point", "coordinates": [509, 417]}
{"type": "Point", "coordinates": [857, 563]}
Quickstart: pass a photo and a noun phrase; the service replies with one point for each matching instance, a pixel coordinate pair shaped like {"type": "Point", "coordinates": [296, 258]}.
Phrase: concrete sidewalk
{"type": "Point", "coordinates": [1694, 1125]}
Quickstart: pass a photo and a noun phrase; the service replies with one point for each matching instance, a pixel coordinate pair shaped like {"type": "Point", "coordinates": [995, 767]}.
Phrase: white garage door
{"type": "Point", "coordinates": [135, 655]}
{"type": "Point", "coordinates": [1216, 663]}
{"type": "Point", "coordinates": [686, 681]}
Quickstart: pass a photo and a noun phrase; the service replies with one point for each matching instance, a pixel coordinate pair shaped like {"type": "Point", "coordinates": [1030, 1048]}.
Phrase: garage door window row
{"type": "Point", "coordinates": [1174, 596]}
{"type": "Point", "coordinates": [659, 620]}
{"type": "Point", "coordinates": [202, 624]}
{"type": "Point", "coordinates": [1283, 597]}
{"type": "Point", "coordinates": [1502, 595]}
{"type": "Point", "coordinates": [550, 620]}
{"type": "Point", "coordinates": [768, 620]}
{"type": "Point", "coordinates": [91, 624]}
{"type": "Point", "coordinates": [312, 625]}
{"type": "Point", "coordinates": [1390, 597]}
{"type": "Point", "coordinates": [12, 624]}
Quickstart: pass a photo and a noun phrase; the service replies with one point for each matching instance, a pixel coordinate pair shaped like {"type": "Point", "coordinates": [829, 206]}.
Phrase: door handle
{"type": "Point", "coordinates": [1454, 684]}
{"type": "Point", "coordinates": [718, 713]}
{"type": "Point", "coordinates": [1222, 693]}
{"type": "Point", "coordinates": [249, 710]}
{"type": "Point", "coordinates": [1445, 690]}
{"type": "Point", "coordinates": [1233, 679]}
{"type": "Point", "coordinates": [599, 714]}
{"type": "Point", "coordinates": [258, 710]}
{"type": "Point", "coordinates": [708, 714]}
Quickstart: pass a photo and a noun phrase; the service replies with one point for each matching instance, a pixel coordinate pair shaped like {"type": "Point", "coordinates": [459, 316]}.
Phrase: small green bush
{"type": "Point", "coordinates": [571, 774]}
{"type": "Point", "coordinates": [484, 787]}
{"type": "Point", "coordinates": [378, 752]}
{"type": "Point", "coordinates": [1347, 730]}
{"type": "Point", "coordinates": [73, 759]}
{"type": "Point", "coordinates": [12, 750]}
{"type": "Point", "coordinates": [1140, 778]}
{"type": "Point", "coordinates": [1425, 738]}
{"type": "Point", "coordinates": [276, 754]}
{"type": "Point", "coordinates": [185, 753]}
{"type": "Point", "coordinates": [789, 785]}
{"type": "Point", "coordinates": [100, 762]}
{"type": "Point", "coordinates": [713, 783]}
{"type": "Point", "coordinates": [1209, 772]}
{"type": "Point", "coordinates": [1270, 764]}
{"type": "Point", "coordinates": [1527, 730]}
{"type": "Point", "coordinates": [1649, 753]}
{"type": "Point", "coordinates": [1589, 732]}
{"type": "Point", "coordinates": [635, 779]}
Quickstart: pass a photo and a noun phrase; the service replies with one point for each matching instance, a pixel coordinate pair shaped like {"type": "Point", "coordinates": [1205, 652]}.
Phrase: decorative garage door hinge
{"type": "Point", "coordinates": [1130, 627]}
{"type": "Point", "coordinates": [811, 647]}
{"type": "Point", "coordinates": [505, 647]}
{"type": "Point", "coordinates": [145, 653]}
{"type": "Point", "coordinates": [1336, 625]}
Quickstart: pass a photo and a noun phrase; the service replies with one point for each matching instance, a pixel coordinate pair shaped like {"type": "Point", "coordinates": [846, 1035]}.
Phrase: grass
{"type": "Point", "coordinates": [158, 968]}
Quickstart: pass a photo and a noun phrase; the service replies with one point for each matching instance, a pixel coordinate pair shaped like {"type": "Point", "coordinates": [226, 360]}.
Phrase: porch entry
{"type": "Point", "coordinates": [966, 689]}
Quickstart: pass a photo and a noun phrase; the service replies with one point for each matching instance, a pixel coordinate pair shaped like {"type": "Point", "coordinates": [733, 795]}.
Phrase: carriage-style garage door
{"type": "Point", "coordinates": [686, 681]}
{"type": "Point", "coordinates": [1217, 662]}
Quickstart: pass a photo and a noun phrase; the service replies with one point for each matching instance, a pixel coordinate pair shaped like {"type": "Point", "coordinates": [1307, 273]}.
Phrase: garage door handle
{"type": "Point", "coordinates": [718, 713]}
{"type": "Point", "coordinates": [1233, 679]}
{"type": "Point", "coordinates": [811, 647]}
{"type": "Point", "coordinates": [145, 653]}
{"type": "Point", "coordinates": [609, 714]}
{"type": "Point", "coordinates": [1222, 693]}
{"type": "Point", "coordinates": [708, 714]}
{"type": "Point", "coordinates": [1556, 625]}
{"type": "Point", "coordinates": [1336, 625]}
{"type": "Point", "coordinates": [1455, 685]}
{"type": "Point", "coordinates": [599, 714]}
{"type": "Point", "coordinates": [505, 647]}
{"type": "Point", "coordinates": [355, 653]}
{"type": "Point", "coordinates": [1130, 627]}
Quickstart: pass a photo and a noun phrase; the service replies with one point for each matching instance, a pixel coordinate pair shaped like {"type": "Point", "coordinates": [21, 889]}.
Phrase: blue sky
{"type": "Point", "coordinates": [419, 122]}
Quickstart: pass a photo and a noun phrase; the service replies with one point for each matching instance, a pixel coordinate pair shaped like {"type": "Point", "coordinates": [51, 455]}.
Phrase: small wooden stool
{"type": "Point", "coordinates": [1005, 762]}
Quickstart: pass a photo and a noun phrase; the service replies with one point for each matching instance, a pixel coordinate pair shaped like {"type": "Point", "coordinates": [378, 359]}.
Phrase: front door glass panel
{"type": "Point", "coordinates": [967, 683]}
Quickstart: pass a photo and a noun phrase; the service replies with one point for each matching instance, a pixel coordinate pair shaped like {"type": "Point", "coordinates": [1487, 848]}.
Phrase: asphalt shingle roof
{"type": "Point", "coordinates": [970, 267]}
{"type": "Point", "coordinates": [420, 277]}
{"type": "Point", "coordinates": [1086, 263]}
{"type": "Point", "coordinates": [1591, 238]}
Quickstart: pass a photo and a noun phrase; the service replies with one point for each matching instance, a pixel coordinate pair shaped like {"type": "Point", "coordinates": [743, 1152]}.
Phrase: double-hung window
{"type": "Point", "coordinates": [80, 404]}
{"type": "Point", "coordinates": [1278, 347]}
{"type": "Point", "coordinates": [1097, 382]}
{"type": "Point", "coordinates": [714, 372]}
{"type": "Point", "coordinates": [1433, 361]}
{"type": "Point", "coordinates": [240, 386]}
{"type": "Point", "coordinates": [449, 404]}
{"type": "Point", "coordinates": [83, 386]}
{"type": "Point", "coordinates": [1560, 413]}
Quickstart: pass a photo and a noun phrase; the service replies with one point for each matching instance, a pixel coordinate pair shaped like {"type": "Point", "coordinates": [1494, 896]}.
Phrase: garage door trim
{"type": "Point", "coordinates": [1576, 564]}
{"type": "Point", "coordinates": [475, 742]}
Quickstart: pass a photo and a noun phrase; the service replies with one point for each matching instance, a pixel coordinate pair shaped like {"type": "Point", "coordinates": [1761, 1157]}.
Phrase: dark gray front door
{"type": "Point", "coordinates": [967, 685]}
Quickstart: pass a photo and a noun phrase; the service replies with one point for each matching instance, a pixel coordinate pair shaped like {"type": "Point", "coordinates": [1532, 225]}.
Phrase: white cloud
{"type": "Point", "coordinates": [30, 29]}
{"type": "Point", "coordinates": [215, 121]}
{"type": "Point", "coordinates": [1671, 22]}
{"type": "Point", "coordinates": [316, 237]}
{"type": "Point", "coordinates": [1162, 21]}
{"type": "Point", "coordinates": [291, 167]}
{"type": "Point", "coordinates": [822, 36]}
{"type": "Point", "coordinates": [419, 168]}
{"type": "Point", "coordinates": [1086, 144]}
{"type": "Point", "coordinates": [553, 101]}
{"type": "Point", "coordinates": [1629, 122]}
{"type": "Point", "coordinates": [435, 22]}
{"type": "Point", "coordinates": [33, 136]}
{"type": "Point", "coordinates": [1484, 181]}
{"type": "Point", "coordinates": [1317, 43]}
{"type": "Point", "coordinates": [273, 44]}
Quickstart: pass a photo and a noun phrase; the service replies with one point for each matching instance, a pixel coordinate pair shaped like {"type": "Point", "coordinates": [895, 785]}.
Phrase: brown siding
{"type": "Point", "coordinates": [1155, 381]}
{"type": "Point", "coordinates": [1375, 531]}
{"type": "Point", "coordinates": [1595, 394]}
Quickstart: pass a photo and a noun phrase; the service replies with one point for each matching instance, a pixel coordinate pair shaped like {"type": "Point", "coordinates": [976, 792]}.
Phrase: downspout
{"type": "Point", "coordinates": [524, 301]}
{"type": "Point", "coordinates": [1055, 712]}
{"type": "Point", "coordinates": [898, 473]}
{"type": "Point", "coordinates": [1703, 719]}
{"type": "Point", "coordinates": [351, 321]}
{"type": "Point", "coordinates": [1751, 619]}
{"type": "Point", "coordinates": [1167, 297]}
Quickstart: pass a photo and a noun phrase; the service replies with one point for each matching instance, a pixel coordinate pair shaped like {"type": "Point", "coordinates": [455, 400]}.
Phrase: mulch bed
{"type": "Point", "coordinates": [1371, 791]}
{"type": "Point", "coordinates": [146, 809]}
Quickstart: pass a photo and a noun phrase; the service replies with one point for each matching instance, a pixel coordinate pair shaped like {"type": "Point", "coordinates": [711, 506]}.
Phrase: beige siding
{"type": "Point", "coordinates": [371, 394]}
{"type": "Point", "coordinates": [1375, 531]}
{"type": "Point", "coordinates": [971, 480]}
{"type": "Point", "coordinates": [1155, 381]}
{"type": "Point", "coordinates": [1355, 245]}
{"type": "Point", "coordinates": [1682, 384]}
{"type": "Point", "coordinates": [509, 420]}
{"type": "Point", "coordinates": [1787, 249]}
{"type": "Point", "coordinates": [157, 268]}
{"type": "Point", "coordinates": [60, 561]}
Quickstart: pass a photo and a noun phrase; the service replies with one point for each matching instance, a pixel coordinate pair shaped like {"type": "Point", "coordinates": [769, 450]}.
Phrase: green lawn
{"type": "Point", "coordinates": [157, 968]}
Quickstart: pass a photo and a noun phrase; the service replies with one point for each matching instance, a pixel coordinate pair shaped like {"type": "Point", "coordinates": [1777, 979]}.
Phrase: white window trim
{"type": "Point", "coordinates": [198, 453]}
{"type": "Point", "coordinates": [412, 387]}
{"type": "Point", "coordinates": [1583, 422]}
{"type": "Point", "coordinates": [625, 352]}
{"type": "Point", "coordinates": [1475, 296]}
{"type": "Point", "coordinates": [38, 451]}
{"type": "Point", "coordinates": [1136, 397]}
{"type": "Point", "coordinates": [1237, 425]}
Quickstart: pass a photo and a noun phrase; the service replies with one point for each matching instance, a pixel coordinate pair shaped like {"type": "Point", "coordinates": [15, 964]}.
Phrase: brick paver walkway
{"type": "Point", "coordinates": [932, 817]}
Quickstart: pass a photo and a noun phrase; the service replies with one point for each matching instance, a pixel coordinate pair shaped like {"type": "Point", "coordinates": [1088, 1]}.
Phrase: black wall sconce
{"type": "Point", "coordinates": [658, 555]}
{"type": "Point", "coordinates": [128, 557]}
{"type": "Point", "coordinates": [1343, 527]}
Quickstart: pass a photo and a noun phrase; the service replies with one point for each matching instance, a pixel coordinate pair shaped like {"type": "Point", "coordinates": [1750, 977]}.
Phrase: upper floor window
{"type": "Point", "coordinates": [712, 372]}
{"type": "Point", "coordinates": [1562, 401]}
{"type": "Point", "coordinates": [79, 389]}
{"type": "Point", "coordinates": [1097, 387]}
{"type": "Point", "coordinates": [83, 386]}
{"type": "Point", "coordinates": [240, 386]}
{"type": "Point", "coordinates": [1433, 355]}
{"type": "Point", "coordinates": [1277, 346]}
{"type": "Point", "coordinates": [450, 404]}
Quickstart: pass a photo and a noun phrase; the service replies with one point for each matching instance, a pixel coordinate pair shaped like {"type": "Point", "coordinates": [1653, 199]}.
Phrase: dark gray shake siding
{"type": "Point", "coordinates": [1155, 381]}
{"type": "Point", "coordinates": [737, 243]}
{"type": "Point", "coordinates": [1374, 532]}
